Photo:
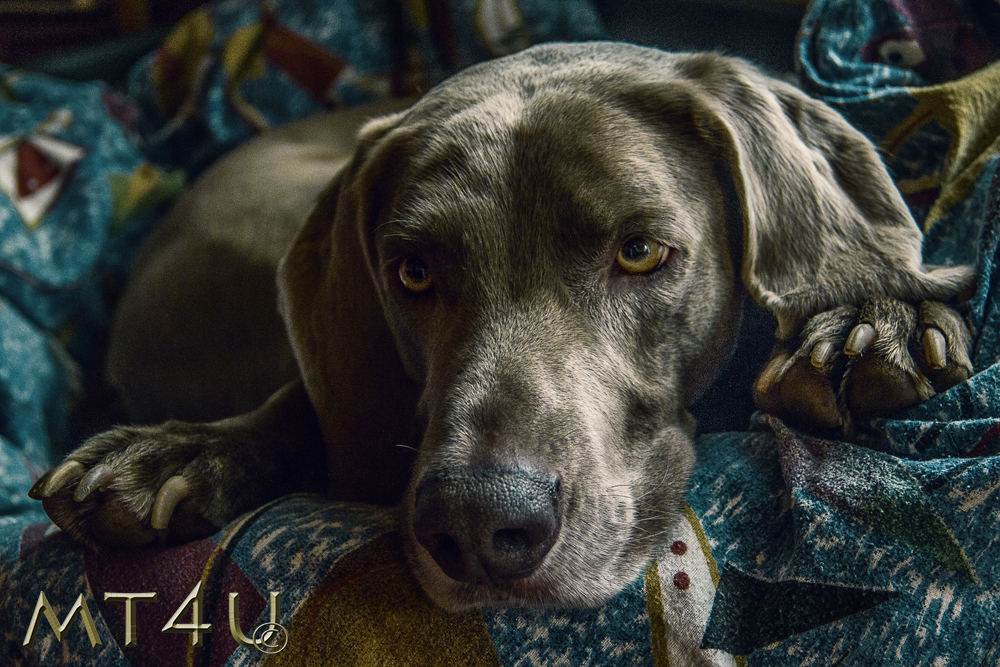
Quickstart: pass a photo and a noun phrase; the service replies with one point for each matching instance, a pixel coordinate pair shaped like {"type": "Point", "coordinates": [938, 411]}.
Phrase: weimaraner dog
{"type": "Point", "coordinates": [495, 307]}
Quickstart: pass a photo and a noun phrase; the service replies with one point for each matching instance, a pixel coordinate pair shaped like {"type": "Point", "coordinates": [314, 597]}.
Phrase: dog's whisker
{"type": "Point", "coordinates": [652, 492]}
{"type": "Point", "coordinates": [651, 536]}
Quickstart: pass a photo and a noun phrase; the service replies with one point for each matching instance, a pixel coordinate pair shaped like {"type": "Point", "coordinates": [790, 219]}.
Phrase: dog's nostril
{"type": "Point", "coordinates": [517, 551]}
{"type": "Point", "coordinates": [443, 546]}
{"type": "Point", "coordinates": [446, 553]}
{"type": "Point", "coordinates": [488, 527]}
{"type": "Point", "coordinates": [507, 540]}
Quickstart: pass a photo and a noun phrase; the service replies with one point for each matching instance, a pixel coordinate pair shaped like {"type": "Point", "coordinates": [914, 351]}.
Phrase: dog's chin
{"type": "Point", "coordinates": [541, 590]}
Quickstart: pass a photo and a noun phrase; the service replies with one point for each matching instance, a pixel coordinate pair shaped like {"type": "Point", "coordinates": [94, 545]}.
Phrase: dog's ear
{"type": "Point", "coordinates": [345, 350]}
{"type": "Point", "coordinates": [824, 224]}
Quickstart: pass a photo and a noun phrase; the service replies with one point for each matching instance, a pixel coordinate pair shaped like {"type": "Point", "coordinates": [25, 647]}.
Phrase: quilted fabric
{"type": "Point", "coordinates": [792, 550]}
{"type": "Point", "coordinates": [234, 68]}
{"type": "Point", "coordinates": [76, 196]}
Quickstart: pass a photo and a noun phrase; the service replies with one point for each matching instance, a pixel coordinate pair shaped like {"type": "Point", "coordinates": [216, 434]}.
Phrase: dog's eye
{"type": "Point", "coordinates": [414, 274]}
{"type": "Point", "coordinates": [641, 255]}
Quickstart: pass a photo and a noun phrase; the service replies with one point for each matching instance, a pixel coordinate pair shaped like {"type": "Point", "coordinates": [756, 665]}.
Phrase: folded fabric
{"type": "Point", "coordinates": [231, 69]}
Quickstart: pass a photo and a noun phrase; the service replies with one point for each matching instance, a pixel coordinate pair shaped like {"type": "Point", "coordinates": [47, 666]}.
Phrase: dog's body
{"type": "Point", "coordinates": [197, 335]}
{"type": "Point", "coordinates": [527, 277]}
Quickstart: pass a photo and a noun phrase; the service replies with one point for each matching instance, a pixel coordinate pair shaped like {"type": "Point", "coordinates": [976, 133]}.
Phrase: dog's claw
{"type": "Point", "coordinates": [50, 483]}
{"type": "Point", "coordinates": [173, 491]}
{"type": "Point", "coordinates": [822, 353]}
{"type": "Point", "coordinates": [125, 488]}
{"type": "Point", "coordinates": [935, 348]}
{"type": "Point", "coordinates": [865, 363]}
{"type": "Point", "coordinates": [860, 339]}
{"type": "Point", "coordinates": [98, 478]}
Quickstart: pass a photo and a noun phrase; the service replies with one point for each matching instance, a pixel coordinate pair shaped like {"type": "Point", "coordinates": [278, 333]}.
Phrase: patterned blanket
{"type": "Point", "coordinates": [792, 551]}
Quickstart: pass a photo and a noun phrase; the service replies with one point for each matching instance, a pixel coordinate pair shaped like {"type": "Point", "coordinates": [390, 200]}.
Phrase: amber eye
{"type": "Point", "coordinates": [640, 255]}
{"type": "Point", "coordinates": [414, 274]}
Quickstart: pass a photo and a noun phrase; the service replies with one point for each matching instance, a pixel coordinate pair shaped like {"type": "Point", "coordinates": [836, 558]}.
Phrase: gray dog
{"type": "Point", "coordinates": [499, 309]}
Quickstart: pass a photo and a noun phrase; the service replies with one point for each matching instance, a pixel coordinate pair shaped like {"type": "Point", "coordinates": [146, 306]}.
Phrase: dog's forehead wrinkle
{"type": "Point", "coordinates": [534, 195]}
{"type": "Point", "coordinates": [597, 175]}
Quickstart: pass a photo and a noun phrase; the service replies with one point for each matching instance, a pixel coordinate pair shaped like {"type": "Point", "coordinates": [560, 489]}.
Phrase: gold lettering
{"type": "Point", "coordinates": [195, 627]}
{"type": "Point", "coordinates": [234, 617]}
{"type": "Point", "coordinates": [79, 607]}
{"type": "Point", "coordinates": [130, 598]}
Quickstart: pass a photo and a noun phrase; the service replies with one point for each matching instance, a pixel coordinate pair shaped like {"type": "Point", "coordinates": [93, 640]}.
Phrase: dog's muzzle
{"type": "Point", "coordinates": [491, 526]}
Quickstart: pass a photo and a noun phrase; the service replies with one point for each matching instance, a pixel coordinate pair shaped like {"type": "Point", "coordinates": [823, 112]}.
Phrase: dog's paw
{"type": "Point", "coordinates": [850, 365]}
{"type": "Point", "coordinates": [132, 485]}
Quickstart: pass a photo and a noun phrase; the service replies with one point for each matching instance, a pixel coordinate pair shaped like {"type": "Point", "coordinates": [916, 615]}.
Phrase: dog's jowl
{"type": "Point", "coordinates": [495, 307]}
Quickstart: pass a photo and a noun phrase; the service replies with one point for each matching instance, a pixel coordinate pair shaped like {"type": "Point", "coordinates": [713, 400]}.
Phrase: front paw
{"type": "Point", "coordinates": [850, 365]}
{"type": "Point", "coordinates": [132, 485]}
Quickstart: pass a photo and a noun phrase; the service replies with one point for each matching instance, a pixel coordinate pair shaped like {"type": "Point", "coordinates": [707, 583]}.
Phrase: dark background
{"type": "Point", "coordinates": [99, 39]}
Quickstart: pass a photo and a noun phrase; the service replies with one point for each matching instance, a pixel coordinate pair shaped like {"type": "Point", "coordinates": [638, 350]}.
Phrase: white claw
{"type": "Point", "coordinates": [935, 348]}
{"type": "Point", "coordinates": [860, 339]}
{"type": "Point", "coordinates": [173, 491]}
{"type": "Point", "coordinates": [57, 478]}
{"type": "Point", "coordinates": [821, 353]}
{"type": "Point", "coordinates": [98, 478]}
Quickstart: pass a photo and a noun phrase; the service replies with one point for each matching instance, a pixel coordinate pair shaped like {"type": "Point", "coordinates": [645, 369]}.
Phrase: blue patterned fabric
{"type": "Point", "coordinates": [66, 234]}
{"type": "Point", "coordinates": [233, 67]}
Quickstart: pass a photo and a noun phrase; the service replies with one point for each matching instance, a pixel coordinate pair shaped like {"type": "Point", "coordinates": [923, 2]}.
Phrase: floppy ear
{"type": "Point", "coordinates": [345, 351]}
{"type": "Point", "coordinates": [824, 224]}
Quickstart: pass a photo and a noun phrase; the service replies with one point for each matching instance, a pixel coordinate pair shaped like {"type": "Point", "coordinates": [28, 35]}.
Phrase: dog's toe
{"type": "Point", "coordinates": [798, 390]}
{"type": "Point", "coordinates": [914, 353]}
{"type": "Point", "coordinates": [113, 523]}
{"type": "Point", "coordinates": [883, 375]}
{"type": "Point", "coordinates": [799, 384]}
{"type": "Point", "coordinates": [849, 365]}
{"type": "Point", "coordinates": [134, 485]}
{"type": "Point", "coordinates": [946, 345]}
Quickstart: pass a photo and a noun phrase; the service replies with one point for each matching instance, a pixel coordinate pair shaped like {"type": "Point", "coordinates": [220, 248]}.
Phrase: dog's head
{"type": "Point", "coordinates": [531, 273]}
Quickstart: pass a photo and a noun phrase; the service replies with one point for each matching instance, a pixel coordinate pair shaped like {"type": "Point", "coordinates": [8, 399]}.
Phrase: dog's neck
{"type": "Point", "coordinates": [700, 375]}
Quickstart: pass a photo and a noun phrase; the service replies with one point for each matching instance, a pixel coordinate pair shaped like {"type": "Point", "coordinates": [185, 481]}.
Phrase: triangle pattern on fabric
{"type": "Point", "coordinates": [780, 609]}
{"type": "Point", "coordinates": [34, 171]}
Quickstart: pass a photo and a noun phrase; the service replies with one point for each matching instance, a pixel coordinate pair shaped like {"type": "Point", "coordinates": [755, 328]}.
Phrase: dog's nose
{"type": "Point", "coordinates": [491, 526]}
